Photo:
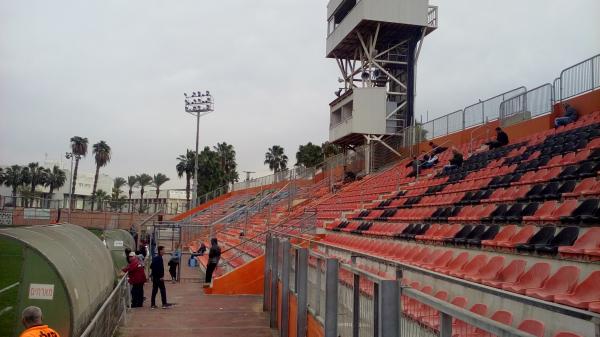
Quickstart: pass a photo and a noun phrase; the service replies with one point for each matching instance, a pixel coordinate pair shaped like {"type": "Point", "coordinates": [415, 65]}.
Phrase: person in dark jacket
{"type": "Point", "coordinates": [570, 116]}
{"type": "Point", "coordinates": [501, 139]}
{"type": "Point", "coordinates": [214, 255]}
{"type": "Point", "coordinates": [456, 160]}
{"type": "Point", "coordinates": [436, 149]}
{"type": "Point", "coordinates": [158, 281]}
{"type": "Point", "coordinates": [136, 278]}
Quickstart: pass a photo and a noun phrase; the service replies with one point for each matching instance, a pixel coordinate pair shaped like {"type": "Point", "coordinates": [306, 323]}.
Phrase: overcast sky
{"type": "Point", "coordinates": [117, 70]}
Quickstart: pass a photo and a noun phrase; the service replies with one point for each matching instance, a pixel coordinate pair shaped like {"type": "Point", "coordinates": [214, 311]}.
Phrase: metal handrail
{"type": "Point", "coordinates": [569, 311]}
{"type": "Point", "coordinates": [90, 327]}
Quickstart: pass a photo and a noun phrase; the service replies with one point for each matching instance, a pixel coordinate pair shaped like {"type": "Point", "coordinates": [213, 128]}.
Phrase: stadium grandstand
{"type": "Point", "coordinates": [416, 229]}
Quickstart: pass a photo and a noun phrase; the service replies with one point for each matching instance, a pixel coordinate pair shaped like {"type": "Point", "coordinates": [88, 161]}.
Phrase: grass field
{"type": "Point", "coordinates": [11, 256]}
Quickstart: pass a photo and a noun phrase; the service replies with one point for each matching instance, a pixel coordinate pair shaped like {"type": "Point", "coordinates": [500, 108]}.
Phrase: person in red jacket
{"type": "Point", "coordinates": [137, 278]}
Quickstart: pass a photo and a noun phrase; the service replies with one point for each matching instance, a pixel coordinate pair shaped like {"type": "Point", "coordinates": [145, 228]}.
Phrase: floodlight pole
{"type": "Point", "coordinates": [198, 104]}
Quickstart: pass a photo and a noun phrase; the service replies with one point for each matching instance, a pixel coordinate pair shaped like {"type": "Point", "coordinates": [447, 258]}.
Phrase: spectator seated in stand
{"type": "Point", "coordinates": [501, 139]}
{"type": "Point", "coordinates": [428, 161]}
{"type": "Point", "coordinates": [455, 162]}
{"type": "Point", "coordinates": [570, 116]}
{"type": "Point", "coordinates": [437, 149]}
{"type": "Point", "coordinates": [349, 176]}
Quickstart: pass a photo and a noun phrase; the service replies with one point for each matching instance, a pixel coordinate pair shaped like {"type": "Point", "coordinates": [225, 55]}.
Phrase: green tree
{"type": "Point", "coordinates": [118, 182]}
{"type": "Point", "coordinates": [309, 155]}
{"type": "Point", "coordinates": [36, 176]}
{"type": "Point", "coordinates": [131, 182]}
{"type": "Point", "coordinates": [13, 177]}
{"type": "Point", "coordinates": [185, 165]}
{"type": "Point", "coordinates": [158, 180]}
{"type": "Point", "coordinates": [330, 149]}
{"type": "Point", "coordinates": [79, 147]}
{"type": "Point", "coordinates": [102, 154]}
{"type": "Point", "coordinates": [226, 155]}
{"type": "Point", "coordinates": [101, 196]}
{"type": "Point", "coordinates": [143, 180]}
{"type": "Point", "coordinates": [210, 175]}
{"type": "Point", "coordinates": [56, 179]}
{"type": "Point", "coordinates": [276, 159]}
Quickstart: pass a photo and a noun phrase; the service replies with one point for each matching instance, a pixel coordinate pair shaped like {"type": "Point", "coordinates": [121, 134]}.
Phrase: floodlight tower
{"type": "Point", "coordinates": [376, 45]}
{"type": "Point", "coordinates": [198, 104]}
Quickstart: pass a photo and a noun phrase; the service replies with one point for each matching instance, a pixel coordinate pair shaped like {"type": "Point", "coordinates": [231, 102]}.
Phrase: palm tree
{"type": "Point", "coordinates": [143, 180]}
{"type": "Point", "coordinates": [55, 180]}
{"type": "Point", "coordinates": [226, 154]}
{"type": "Point", "coordinates": [100, 196]}
{"type": "Point", "coordinates": [185, 166]}
{"type": "Point", "coordinates": [13, 178]}
{"type": "Point", "coordinates": [276, 159]}
{"type": "Point", "coordinates": [79, 147]}
{"type": "Point", "coordinates": [101, 152]}
{"type": "Point", "coordinates": [118, 182]}
{"type": "Point", "coordinates": [37, 176]}
{"type": "Point", "coordinates": [131, 182]}
{"type": "Point", "coordinates": [157, 181]}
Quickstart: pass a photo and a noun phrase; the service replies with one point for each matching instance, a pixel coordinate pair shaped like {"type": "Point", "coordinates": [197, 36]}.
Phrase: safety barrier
{"type": "Point", "coordinates": [348, 301]}
{"type": "Point", "coordinates": [534, 102]}
{"type": "Point", "coordinates": [579, 78]}
{"type": "Point", "coordinates": [112, 312]}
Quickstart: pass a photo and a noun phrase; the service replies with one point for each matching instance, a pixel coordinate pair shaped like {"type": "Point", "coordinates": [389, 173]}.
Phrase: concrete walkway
{"type": "Point", "coordinates": [196, 314]}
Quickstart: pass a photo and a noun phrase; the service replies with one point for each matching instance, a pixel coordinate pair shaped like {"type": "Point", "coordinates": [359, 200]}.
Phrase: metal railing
{"type": "Point", "coordinates": [297, 173]}
{"type": "Point", "coordinates": [472, 115]}
{"type": "Point", "coordinates": [579, 78]}
{"type": "Point", "coordinates": [350, 301]}
{"type": "Point", "coordinates": [534, 102]}
{"type": "Point", "coordinates": [112, 312]}
{"type": "Point", "coordinates": [432, 16]}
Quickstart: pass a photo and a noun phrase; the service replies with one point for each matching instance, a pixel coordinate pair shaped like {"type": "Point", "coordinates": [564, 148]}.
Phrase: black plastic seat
{"type": "Point", "coordinates": [467, 198]}
{"type": "Point", "coordinates": [407, 230]}
{"type": "Point", "coordinates": [550, 191]}
{"type": "Point", "coordinates": [569, 172]}
{"type": "Point", "coordinates": [476, 233]}
{"type": "Point", "coordinates": [565, 237]}
{"type": "Point", "coordinates": [497, 213]}
{"type": "Point", "coordinates": [513, 213]}
{"type": "Point", "coordinates": [542, 237]}
{"type": "Point", "coordinates": [585, 212]}
{"type": "Point", "coordinates": [418, 231]}
{"type": "Point", "coordinates": [566, 187]}
{"type": "Point", "coordinates": [534, 192]}
{"type": "Point", "coordinates": [528, 210]}
{"type": "Point", "coordinates": [415, 229]}
{"type": "Point", "coordinates": [587, 169]}
{"type": "Point", "coordinates": [489, 234]}
{"type": "Point", "coordinates": [341, 225]}
{"type": "Point", "coordinates": [437, 213]}
{"type": "Point", "coordinates": [461, 234]}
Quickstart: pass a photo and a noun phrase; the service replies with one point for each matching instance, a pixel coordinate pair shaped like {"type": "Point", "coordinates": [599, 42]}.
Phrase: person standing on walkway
{"type": "Point", "coordinates": [214, 255]}
{"type": "Point", "coordinates": [137, 278]}
{"type": "Point", "coordinates": [32, 321]}
{"type": "Point", "coordinates": [174, 264]}
{"type": "Point", "coordinates": [158, 281]}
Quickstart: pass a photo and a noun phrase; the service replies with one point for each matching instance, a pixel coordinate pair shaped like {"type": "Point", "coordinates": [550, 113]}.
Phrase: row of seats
{"type": "Point", "coordinates": [430, 317]}
{"type": "Point", "coordinates": [529, 239]}
{"type": "Point", "coordinates": [495, 271]}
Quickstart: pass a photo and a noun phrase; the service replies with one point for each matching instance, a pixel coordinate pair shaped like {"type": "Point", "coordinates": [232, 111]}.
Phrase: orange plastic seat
{"type": "Point", "coordinates": [500, 316]}
{"type": "Point", "coordinates": [563, 281]}
{"type": "Point", "coordinates": [521, 237]}
{"type": "Point", "coordinates": [508, 275]}
{"type": "Point", "coordinates": [489, 271]}
{"type": "Point", "coordinates": [566, 334]}
{"type": "Point", "coordinates": [470, 267]}
{"type": "Point", "coordinates": [505, 234]}
{"type": "Point", "coordinates": [533, 278]}
{"type": "Point", "coordinates": [590, 240]}
{"type": "Point", "coordinates": [585, 185]}
{"type": "Point", "coordinates": [584, 294]}
{"type": "Point", "coordinates": [455, 264]}
{"type": "Point", "coordinates": [565, 209]}
{"type": "Point", "coordinates": [594, 306]}
{"type": "Point", "coordinates": [533, 327]}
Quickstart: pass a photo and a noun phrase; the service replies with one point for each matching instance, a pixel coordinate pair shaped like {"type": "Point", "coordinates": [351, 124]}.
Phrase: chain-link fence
{"type": "Point", "coordinates": [112, 312]}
